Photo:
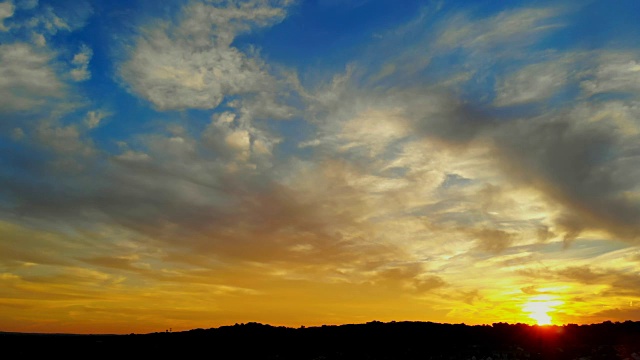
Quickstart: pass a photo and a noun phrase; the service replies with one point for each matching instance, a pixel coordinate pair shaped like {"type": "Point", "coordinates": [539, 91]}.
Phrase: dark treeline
{"type": "Point", "coordinates": [373, 340]}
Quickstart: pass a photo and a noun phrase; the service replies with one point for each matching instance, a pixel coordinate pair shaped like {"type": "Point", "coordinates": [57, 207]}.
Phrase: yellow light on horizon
{"type": "Point", "coordinates": [539, 307]}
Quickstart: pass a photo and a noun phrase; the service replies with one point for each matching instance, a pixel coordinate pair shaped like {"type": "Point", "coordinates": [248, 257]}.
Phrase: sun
{"type": "Point", "coordinates": [539, 312]}
{"type": "Point", "coordinates": [538, 308]}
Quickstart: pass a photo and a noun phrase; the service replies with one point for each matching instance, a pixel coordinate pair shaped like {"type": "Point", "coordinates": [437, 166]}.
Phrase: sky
{"type": "Point", "coordinates": [199, 163]}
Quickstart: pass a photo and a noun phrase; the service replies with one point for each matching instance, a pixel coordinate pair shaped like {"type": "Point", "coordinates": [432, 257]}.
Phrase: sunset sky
{"type": "Point", "coordinates": [192, 164]}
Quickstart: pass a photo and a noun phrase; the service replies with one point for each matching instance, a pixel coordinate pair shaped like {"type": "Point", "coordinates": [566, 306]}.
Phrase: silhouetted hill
{"type": "Point", "coordinates": [373, 340]}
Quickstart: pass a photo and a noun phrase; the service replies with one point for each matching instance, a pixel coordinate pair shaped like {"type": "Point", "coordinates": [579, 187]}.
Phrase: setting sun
{"type": "Point", "coordinates": [539, 313]}
{"type": "Point", "coordinates": [538, 309]}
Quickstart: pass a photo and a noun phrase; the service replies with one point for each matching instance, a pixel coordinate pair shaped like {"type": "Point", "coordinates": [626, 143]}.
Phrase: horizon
{"type": "Point", "coordinates": [302, 327]}
{"type": "Point", "coordinates": [194, 163]}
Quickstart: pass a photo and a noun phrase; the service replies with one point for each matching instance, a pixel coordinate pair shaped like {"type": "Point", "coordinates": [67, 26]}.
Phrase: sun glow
{"type": "Point", "coordinates": [539, 307]}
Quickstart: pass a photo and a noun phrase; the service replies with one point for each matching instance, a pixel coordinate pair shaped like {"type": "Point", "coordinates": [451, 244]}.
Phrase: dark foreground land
{"type": "Point", "coordinates": [373, 340]}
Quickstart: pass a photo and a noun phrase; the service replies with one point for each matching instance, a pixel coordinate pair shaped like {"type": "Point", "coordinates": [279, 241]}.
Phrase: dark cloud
{"type": "Point", "coordinates": [468, 297]}
{"type": "Point", "coordinates": [493, 240]}
{"type": "Point", "coordinates": [620, 283]}
{"type": "Point", "coordinates": [575, 163]}
{"type": "Point", "coordinates": [186, 200]}
{"type": "Point", "coordinates": [530, 290]}
{"type": "Point", "coordinates": [17, 247]}
{"type": "Point", "coordinates": [28, 80]}
{"type": "Point", "coordinates": [582, 274]}
{"type": "Point", "coordinates": [120, 263]}
{"type": "Point", "coordinates": [411, 277]}
{"type": "Point", "coordinates": [521, 260]}
{"type": "Point", "coordinates": [441, 115]}
{"type": "Point", "coordinates": [582, 164]}
{"type": "Point", "coordinates": [583, 160]}
{"type": "Point", "coordinates": [631, 312]}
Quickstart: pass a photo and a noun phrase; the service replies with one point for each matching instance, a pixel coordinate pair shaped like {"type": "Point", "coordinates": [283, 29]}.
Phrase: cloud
{"type": "Point", "coordinates": [614, 72]}
{"type": "Point", "coordinates": [408, 277]}
{"type": "Point", "coordinates": [574, 158]}
{"type": "Point", "coordinates": [579, 158]}
{"type": "Point", "coordinates": [63, 17]}
{"type": "Point", "coordinates": [192, 64]}
{"type": "Point", "coordinates": [233, 137]}
{"type": "Point", "coordinates": [404, 171]}
{"type": "Point", "coordinates": [532, 83]}
{"type": "Point", "coordinates": [183, 196]}
{"type": "Point", "coordinates": [63, 139]}
{"type": "Point", "coordinates": [94, 118]}
{"type": "Point", "coordinates": [624, 313]}
{"type": "Point", "coordinates": [27, 4]}
{"type": "Point", "coordinates": [19, 251]}
{"type": "Point", "coordinates": [612, 281]}
{"type": "Point", "coordinates": [530, 290]}
{"type": "Point", "coordinates": [583, 274]}
{"type": "Point", "coordinates": [27, 78]}
{"type": "Point", "coordinates": [81, 62]}
{"type": "Point", "coordinates": [120, 263]}
{"type": "Point", "coordinates": [6, 11]}
{"type": "Point", "coordinates": [493, 240]}
{"type": "Point", "coordinates": [520, 27]}
{"type": "Point", "coordinates": [17, 134]}
{"type": "Point", "coordinates": [41, 23]}
{"type": "Point", "coordinates": [38, 39]}
{"type": "Point", "coordinates": [49, 22]}
{"type": "Point", "coordinates": [576, 164]}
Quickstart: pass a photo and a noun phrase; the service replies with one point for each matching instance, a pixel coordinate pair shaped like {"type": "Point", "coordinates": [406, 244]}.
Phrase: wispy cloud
{"type": "Point", "coordinates": [532, 83]}
{"type": "Point", "coordinates": [81, 62]}
{"type": "Point", "coordinates": [6, 11]}
{"type": "Point", "coordinates": [519, 27]}
{"type": "Point", "coordinates": [192, 63]}
{"type": "Point", "coordinates": [28, 79]}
